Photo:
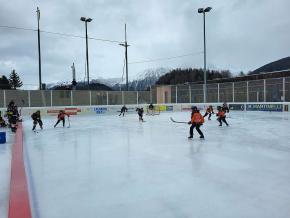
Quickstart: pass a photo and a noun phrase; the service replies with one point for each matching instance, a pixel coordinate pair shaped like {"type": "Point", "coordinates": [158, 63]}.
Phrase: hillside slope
{"type": "Point", "coordinates": [282, 64]}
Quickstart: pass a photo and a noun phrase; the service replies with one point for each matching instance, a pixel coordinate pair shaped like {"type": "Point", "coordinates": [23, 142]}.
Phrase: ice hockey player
{"type": "Point", "coordinates": [209, 111]}
{"type": "Point", "coordinates": [61, 117]}
{"type": "Point", "coordinates": [123, 110]}
{"type": "Point", "coordinates": [140, 112]}
{"type": "Point", "coordinates": [36, 120]}
{"type": "Point", "coordinates": [151, 109]}
{"type": "Point", "coordinates": [221, 116]}
{"type": "Point", "coordinates": [13, 115]}
{"type": "Point", "coordinates": [225, 107]}
{"type": "Point", "coordinates": [11, 105]}
{"type": "Point", "coordinates": [196, 121]}
{"type": "Point", "coordinates": [2, 121]}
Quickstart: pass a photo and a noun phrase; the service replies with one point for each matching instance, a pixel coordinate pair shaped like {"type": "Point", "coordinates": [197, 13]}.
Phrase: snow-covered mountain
{"type": "Point", "coordinates": [143, 80]}
{"type": "Point", "coordinates": [109, 82]}
{"type": "Point", "coordinates": [152, 73]}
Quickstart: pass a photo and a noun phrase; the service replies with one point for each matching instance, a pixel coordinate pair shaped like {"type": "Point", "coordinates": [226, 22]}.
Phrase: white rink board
{"type": "Point", "coordinates": [117, 167]}
{"type": "Point", "coordinates": [5, 171]}
{"type": "Point", "coordinates": [113, 109]}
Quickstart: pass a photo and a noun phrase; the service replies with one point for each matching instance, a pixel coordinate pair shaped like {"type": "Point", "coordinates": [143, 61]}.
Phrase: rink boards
{"type": "Point", "coordinates": [114, 109]}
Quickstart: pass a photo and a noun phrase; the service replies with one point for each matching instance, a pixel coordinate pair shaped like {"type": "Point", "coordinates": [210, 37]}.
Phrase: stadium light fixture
{"type": "Point", "coordinates": [86, 20]}
{"type": "Point", "coordinates": [203, 11]}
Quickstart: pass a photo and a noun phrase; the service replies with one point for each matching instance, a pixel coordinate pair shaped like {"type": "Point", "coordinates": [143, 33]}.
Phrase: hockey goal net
{"type": "Point", "coordinates": [155, 111]}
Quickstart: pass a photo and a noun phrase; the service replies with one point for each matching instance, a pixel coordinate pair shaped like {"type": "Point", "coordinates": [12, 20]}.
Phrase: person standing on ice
{"type": "Point", "coordinates": [2, 121]}
{"type": "Point", "coordinates": [10, 105]}
{"type": "Point", "coordinates": [123, 110]}
{"type": "Point", "coordinates": [61, 117]}
{"type": "Point", "coordinates": [225, 107]}
{"type": "Point", "coordinates": [36, 120]}
{"type": "Point", "coordinates": [208, 112]}
{"type": "Point", "coordinates": [196, 122]}
{"type": "Point", "coordinates": [221, 116]}
{"type": "Point", "coordinates": [140, 112]}
{"type": "Point", "coordinates": [151, 109]}
{"type": "Point", "coordinates": [13, 117]}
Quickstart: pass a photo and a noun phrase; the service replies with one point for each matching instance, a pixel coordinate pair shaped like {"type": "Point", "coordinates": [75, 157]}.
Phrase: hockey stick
{"type": "Point", "coordinates": [68, 122]}
{"type": "Point", "coordinates": [177, 121]}
{"type": "Point", "coordinates": [20, 111]}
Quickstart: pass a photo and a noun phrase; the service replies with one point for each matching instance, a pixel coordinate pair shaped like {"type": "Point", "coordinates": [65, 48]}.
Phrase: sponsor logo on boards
{"type": "Point", "coordinates": [265, 107]}
{"type": "Point", "coordinates": [100, 110]}
{"type": "Point", "coordinates": [70, 111]}
{"type": "Point", "coordinates": [237, 107]}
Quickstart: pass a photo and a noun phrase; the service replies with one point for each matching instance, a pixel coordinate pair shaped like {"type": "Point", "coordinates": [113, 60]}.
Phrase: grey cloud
{"type": "Point", "coordinates": [241, 35]}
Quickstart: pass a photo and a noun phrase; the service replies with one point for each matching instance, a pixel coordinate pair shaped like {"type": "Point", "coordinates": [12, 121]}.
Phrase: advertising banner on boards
{"type": "Point", "coordinates": [237, 107]}
{"type": "Point", "coordinates": [100, 110]}
{"type": "Point", "coordinates": [70, 111]}
{"type": "Point", "coordinates": [265, 107]}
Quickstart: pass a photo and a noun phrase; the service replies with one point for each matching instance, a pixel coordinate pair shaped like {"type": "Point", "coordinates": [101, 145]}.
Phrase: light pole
{"type": "Point", "coordinates": [39, 54]}
{"type": "Point", "coordinates": [74, 82]}
{"type": "Point", "coordinates": [86, 20]}
{"type": "Point", "coordinates": [125, 44]}
{"type": "Point", "coordinates": [203, 11]}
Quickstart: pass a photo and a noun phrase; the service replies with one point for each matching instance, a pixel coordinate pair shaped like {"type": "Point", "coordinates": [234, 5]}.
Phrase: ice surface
{"type": "Point", "coordinates": [5, 171]}
{"type": "Point", "coordinates": [110, 166]}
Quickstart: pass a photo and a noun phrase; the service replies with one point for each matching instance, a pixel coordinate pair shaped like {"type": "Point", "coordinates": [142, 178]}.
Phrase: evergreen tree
{"type": "Point", "coordinates": [4, 83]}
{"type": "Point", "coordinates": [181, 76]}
{"type": "Point", "coordinates": [14, 80]}
{"type": "Point", "coordinates": [241, 74]}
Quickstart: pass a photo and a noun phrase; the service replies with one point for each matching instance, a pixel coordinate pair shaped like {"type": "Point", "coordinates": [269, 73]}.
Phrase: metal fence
{"type": "Point", "coordinates": [268, 90]}
{"type": "Point", "coordinates": [48, 98]}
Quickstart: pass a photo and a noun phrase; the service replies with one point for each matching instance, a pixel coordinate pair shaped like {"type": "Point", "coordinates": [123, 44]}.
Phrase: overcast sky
{"type": "Point", "coordinates": [241, 36]}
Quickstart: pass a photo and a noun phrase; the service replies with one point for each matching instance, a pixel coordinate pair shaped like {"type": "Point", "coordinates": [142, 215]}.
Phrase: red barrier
{"type": "Point", "coordinates": [19, 205]}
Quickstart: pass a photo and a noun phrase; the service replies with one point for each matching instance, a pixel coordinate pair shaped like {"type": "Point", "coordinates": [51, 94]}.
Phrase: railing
{"type": "Point", "coordinates": [49, 98]}
{"type": "Point", "coordinates": [267, 90]}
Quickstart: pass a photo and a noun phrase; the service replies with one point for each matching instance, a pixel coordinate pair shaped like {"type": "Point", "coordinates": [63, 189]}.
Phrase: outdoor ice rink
{"type": "Point", "coordinates": [107, 166]}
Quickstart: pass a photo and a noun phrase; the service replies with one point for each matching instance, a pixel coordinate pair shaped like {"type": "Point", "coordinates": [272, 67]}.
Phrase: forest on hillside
{"type": "Point", "coordinates": [190, 75]}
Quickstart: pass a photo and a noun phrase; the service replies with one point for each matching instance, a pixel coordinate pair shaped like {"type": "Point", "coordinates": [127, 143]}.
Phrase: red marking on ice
{"type": "Point", "coordinates": [19, 205]}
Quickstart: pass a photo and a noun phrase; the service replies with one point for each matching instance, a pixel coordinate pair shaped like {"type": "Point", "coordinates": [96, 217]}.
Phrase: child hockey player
{"type": "Point", "coordinates": [196, 121]}
{"type": "Point", "coordinates": [2, 121]}
{"type": "Point", "coordinates": [36, 120]}
{"type": "Point", "coordinates": [225, 107]}
{"type": "Point", "coordinates": [221, 116]}
{"type": "Point", "coordinates": [208, 112]}
{"type": "Point", "coordinates": [151, 109]}
{"type": "Point", "coordinates": [140, 112]}
{"type": "Point", "coordinates": [123, 110]}
{"type": "Point", "coordinates": [13, 115]}
{"type": "Point", "coordinates": [61, 117]}
{"type": "Point", "coordinates": [11, 105]}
